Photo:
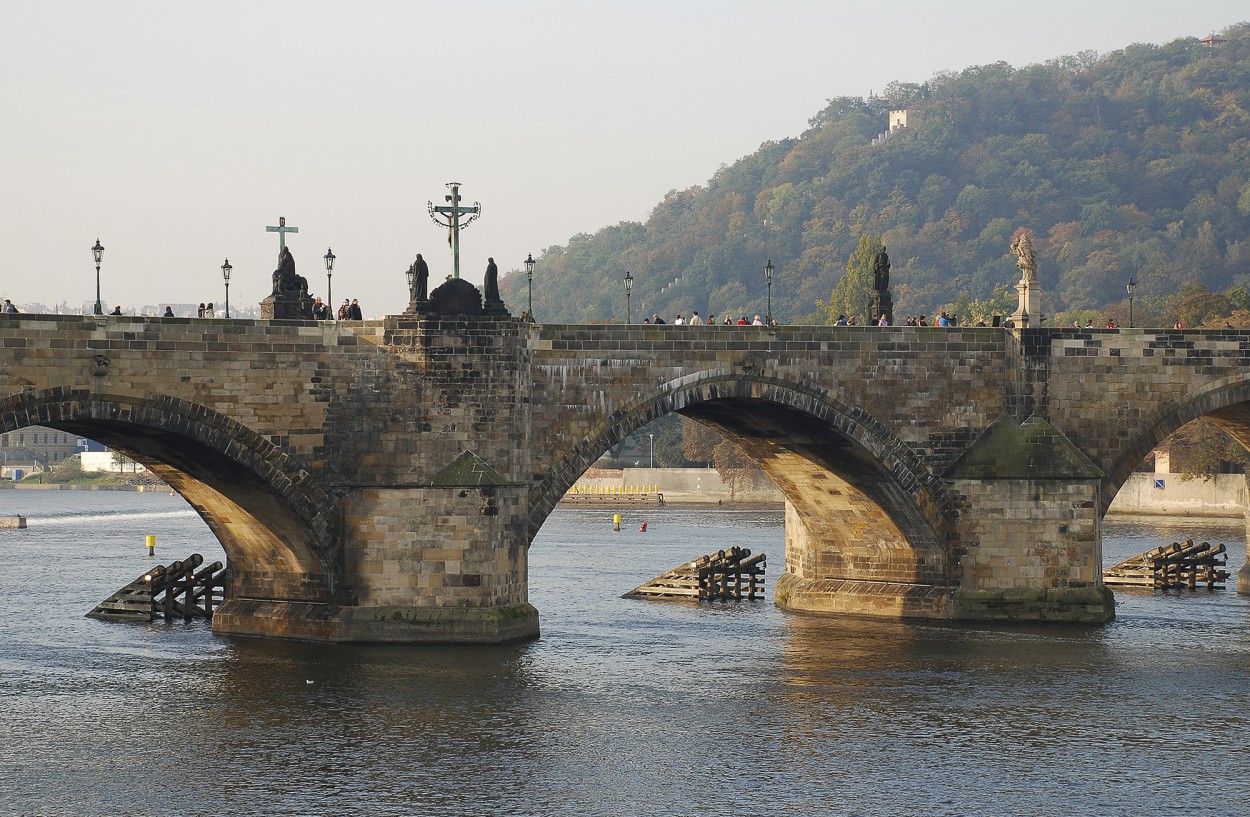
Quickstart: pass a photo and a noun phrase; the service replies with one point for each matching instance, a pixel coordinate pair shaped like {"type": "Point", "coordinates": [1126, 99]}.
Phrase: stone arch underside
{"type": "Point", "coordinates": [1225, 404]}
{"type": "Point", "coordinates": [868, 509]}
{"type": "Point", "coordinates": [275, 524]}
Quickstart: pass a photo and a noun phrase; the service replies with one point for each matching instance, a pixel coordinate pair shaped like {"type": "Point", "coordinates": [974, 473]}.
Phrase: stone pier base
{"type": "Point", "coordinates": [864, 598]}
{"type": "Point", "coordinates": [309, 621]}
{"type": "Point", "coordinates": [1092, 605]}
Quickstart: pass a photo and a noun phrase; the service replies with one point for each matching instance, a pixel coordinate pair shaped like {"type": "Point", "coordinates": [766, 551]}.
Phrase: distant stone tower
{"type": "Point", "coordinates": [898, 122]}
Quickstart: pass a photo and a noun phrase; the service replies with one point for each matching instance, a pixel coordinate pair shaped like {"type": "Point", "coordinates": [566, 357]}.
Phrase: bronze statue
{"type": "Point", "coordinates": [285, 282]}
{"type": "Point", "coordinates": [881, 271]}
{"type": "Point", "coordinates": [490, 285]}
{"type": "Point", "coordinates": [420, 279]}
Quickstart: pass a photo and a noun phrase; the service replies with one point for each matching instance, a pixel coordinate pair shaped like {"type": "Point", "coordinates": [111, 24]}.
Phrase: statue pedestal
{"type": "Point", "coordinates": [283, 309]}
{"type": "Point", "coordinates": [880, 304]}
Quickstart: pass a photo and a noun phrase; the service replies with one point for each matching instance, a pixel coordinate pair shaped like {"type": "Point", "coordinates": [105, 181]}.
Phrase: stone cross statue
{"type": "Point", "coordinates": [455, 217]}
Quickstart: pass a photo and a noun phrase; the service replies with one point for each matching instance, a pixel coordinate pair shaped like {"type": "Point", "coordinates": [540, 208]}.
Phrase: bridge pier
{"type": "Point", "coordinates": [1029, 533]}
{"type": "Point", "coordinates": [443, 563]}
{"type": "Point", "coordinates": [1024, 545]}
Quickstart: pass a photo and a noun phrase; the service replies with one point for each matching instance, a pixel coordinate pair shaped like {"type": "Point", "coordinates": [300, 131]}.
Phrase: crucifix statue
{"type": "Point", "coordinates": [282, 230]}
{"type": "Point", "coordinates": [455, 218]}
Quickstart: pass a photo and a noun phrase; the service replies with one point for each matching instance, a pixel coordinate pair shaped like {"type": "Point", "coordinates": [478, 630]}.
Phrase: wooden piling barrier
{"type": "Point", "coordinates": [1172, 567]}
{"type": "Point", "coordinates": [731, 575]}
{"type": "Point", "coordinates": [176, 590]}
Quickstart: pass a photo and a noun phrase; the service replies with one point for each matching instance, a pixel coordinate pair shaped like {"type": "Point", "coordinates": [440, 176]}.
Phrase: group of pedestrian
{"type": "Point", "coordinates": [206, 311]}
{"type": "Point", "coordinates": [9, 308]}
{"type": "Point", "coordinates": [694, 320]}
{"type": "Point", "coordinates": [943, 319]}
{"type": "Point", "coordinates": [349, 310]}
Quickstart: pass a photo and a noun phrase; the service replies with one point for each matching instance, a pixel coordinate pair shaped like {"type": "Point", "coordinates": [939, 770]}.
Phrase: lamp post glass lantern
{"type": "Point", "coordinates": [629, 285]}
{"type": "Point", "coordinates": [98, 252]}
{"type": "Point", "coordinates": [225, 276]}
{"type": "Point", "coordinates": [529, 283]}
{"type": "Point", "coordinates": [329, 259]}
{"type": "Point", "coordinates": [768, 279]}
{"type": "Point", "coordinates": [1131, 285]}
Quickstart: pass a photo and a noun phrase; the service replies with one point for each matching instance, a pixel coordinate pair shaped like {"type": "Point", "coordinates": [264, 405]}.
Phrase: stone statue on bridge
{"type": "Point", "coordinates": [880, 304]}
{"type": "Point", "coordinates": [881, 271]}
{"type": "Point", "coordinates": [419, 285]}
{"type": "Point", "coordinates": [1026, 258]}
{"type": "Point", "coordinates": [1029, 311]}
{"type": "Point", "coordinates": [492, 303]}
{"type": "Point", "coordinates": [289, 299]}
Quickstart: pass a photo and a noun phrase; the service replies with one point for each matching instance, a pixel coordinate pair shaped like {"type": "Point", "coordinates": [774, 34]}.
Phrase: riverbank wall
{"type": "Point", "coordinates": [1145, 494]}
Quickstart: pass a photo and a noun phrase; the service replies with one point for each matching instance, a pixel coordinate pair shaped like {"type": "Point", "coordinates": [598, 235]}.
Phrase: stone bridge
{"type": "Point", "coordinates": [382, 480]}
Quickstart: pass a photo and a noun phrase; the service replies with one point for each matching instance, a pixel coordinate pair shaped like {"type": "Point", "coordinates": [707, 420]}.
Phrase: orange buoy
{"type": "Point", "coordinates": [642, 528]}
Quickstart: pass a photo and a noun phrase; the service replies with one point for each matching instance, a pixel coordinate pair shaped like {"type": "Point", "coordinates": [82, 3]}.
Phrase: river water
{"type": "Point", "coordinates": [623, 707]}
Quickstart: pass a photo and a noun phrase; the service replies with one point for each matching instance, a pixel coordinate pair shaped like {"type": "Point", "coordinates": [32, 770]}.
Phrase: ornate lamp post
{"type": "Point", "coordinates": [411, 274]}
{"type": "Point", "coordinates": [1131, 285]}
{"type": "Point", "coordinates": [529, 282]}
{"type": "Point", "coordinates": [329, 259]}
{"type": "Point", "coordinates": [98, 252]}
{"type": "Point", "coordinates": [628, 280]}
{"type": "Point", "coordinates": [768, 279]}
{"type": "Point", "coordinates": [225, 276]}
{"type": "Point", "coordinates": [652, 438]}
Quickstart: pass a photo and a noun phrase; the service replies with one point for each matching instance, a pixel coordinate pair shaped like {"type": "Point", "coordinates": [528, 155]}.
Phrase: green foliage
{"type": "Point", "coordinates": [1133, 163]}
{"type": "Point", "coordinates": [851, 296]}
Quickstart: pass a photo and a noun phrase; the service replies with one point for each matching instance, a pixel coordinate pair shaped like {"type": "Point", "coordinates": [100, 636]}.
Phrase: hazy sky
{"type": "Point", "coordinates": [175, 132]}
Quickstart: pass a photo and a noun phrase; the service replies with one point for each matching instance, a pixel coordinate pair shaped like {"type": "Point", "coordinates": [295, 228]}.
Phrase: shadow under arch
{"type": "Point", "coordinates": [1224, 403]}
{"type": "Point", "coordinates": [275, 523]}
{"type": "Point", "coordinates": [867, 507]}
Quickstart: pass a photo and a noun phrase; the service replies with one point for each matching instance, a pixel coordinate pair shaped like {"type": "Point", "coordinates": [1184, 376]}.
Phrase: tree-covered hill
{"type": "Point", "coordinates": [1133, 163]}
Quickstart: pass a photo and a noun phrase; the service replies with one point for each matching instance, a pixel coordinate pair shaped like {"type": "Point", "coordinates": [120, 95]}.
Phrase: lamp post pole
{"type": "Point", "coordinates": [1131, 286]}
{"type": "Point", "coordinates": [98, 252]}
{"type": "Point", "coordinates": [225, 276]}
{"type": "Point", "coordinates": [529, 282]}
{"type": "Point", "coordinates": [628, 280]}
{"type": "Point", "coordinates": [768, 278]}
{"type": "Point", "coordinates": [652, 438]}
{"type": "Point", "coordinates": [329, 259]}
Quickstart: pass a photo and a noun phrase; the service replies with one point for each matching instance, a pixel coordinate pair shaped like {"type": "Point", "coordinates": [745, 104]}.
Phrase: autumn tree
{"type": "Point", "coordinates": [1200, 450]}
{"type": "Point", "coordinates": [698, 441]}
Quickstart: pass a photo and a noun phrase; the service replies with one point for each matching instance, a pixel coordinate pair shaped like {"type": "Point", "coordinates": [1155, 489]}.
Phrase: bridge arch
{"type": "Point", "coordinates": [862, 504]}
{"type": "Point", "coordinates": [1225, 403]}
{"type": "Point", "coordinates": [276, 523]}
